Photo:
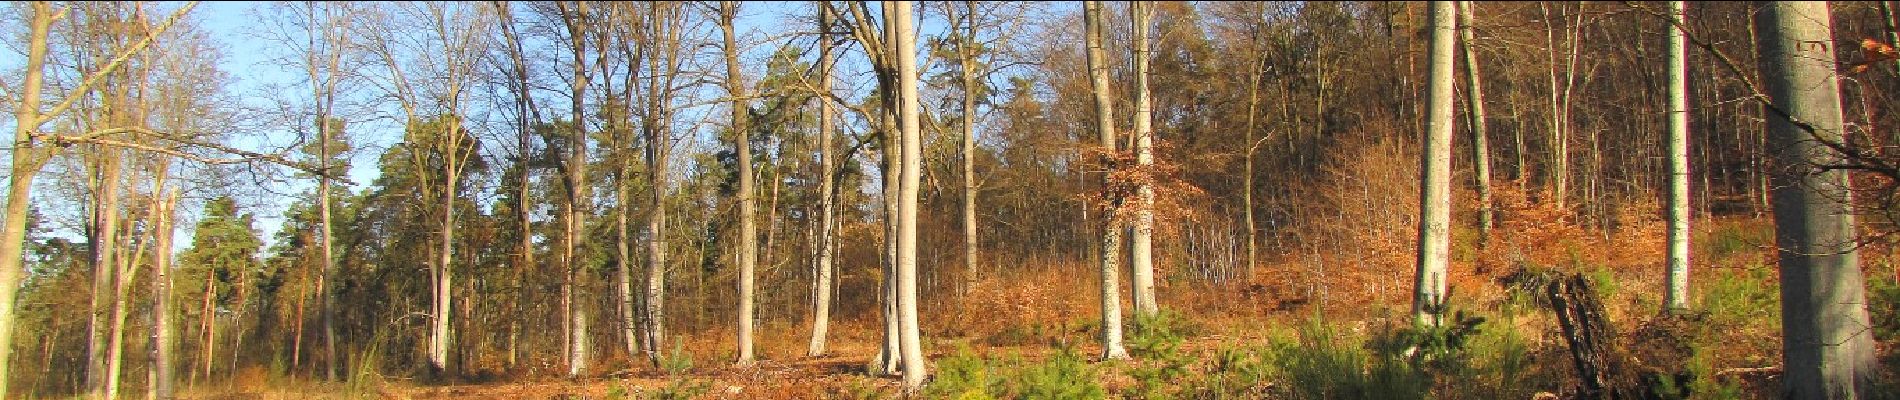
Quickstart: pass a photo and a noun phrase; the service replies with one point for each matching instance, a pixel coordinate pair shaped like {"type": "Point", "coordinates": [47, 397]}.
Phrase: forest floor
{"type": "Point", "coordinates": [1279, 334]}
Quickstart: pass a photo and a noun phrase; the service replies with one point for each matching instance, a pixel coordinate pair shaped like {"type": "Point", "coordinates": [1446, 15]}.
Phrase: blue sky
{"type": "Point", "coordinates": [239, 28]}
{"type": "Point", "coordinates": [237, 25]}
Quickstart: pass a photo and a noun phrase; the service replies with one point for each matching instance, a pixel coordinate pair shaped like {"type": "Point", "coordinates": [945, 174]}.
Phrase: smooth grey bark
{"type": "Point", "coordinates": [1827, 342]}
{"type": "Point", "coordinates": [821, 283]}
{"type": "Point", "coordinates": [577, 19]}
{"type": "Point", "coordinates": [121, 288]}
{"type": "Point", "coordinates": [889, 357]}
{"type": "Point", "coordinates": [105, 220]}
{"type": "Point", "coordinates": [1254, 75]}
{"type": "Point", "coordinates": [1561, 96]}
{"type": "Point", "coordinates": [661, 35]}
{"type": "Point", "coordinates": [26, 162]}
{"type": "Point", "coordinates": [1111, 228]}
{"type": "Point", "coordinates": [526, 116]}
{"type": "Point", "coordinates": [1474, 97]}
{"type": "Point", "coordinates": [1677, 281]}
{"type": "Point", "coordinates": [325, 96]}
{"type": "Point", "coordinates": [1142, 234]}
{"type": "Point", "coordinates": [1434, 224]}
{"type": "Point", "coordinates": [966, 60]}
{"type": "Point", "coordinates": [910, 343]}
{"type": "Point", "coordinates": [742, 141]}
{"type": "Point", "coordinates": [163, 339]}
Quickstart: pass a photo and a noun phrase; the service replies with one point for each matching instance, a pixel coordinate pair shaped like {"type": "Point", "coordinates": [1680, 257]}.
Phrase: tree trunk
{"type": "Point", "coordinates": [623, 257]}
{"type": "Point", "coordinates": [821, 283]}
{"type": "Point", "coordinates": [163, 337]}
{"type": "Point", "coordinates": [208, 322]}
{"type": "Point", "coordinates": [742, 140]}
{"type": "Point", "coordinates": [105, 217]}
{"type": "Point", "coordinates": [576, 21]}
{"type": "Point", "coordinates": [1480, 138]}
{"type": "Point", "coordinates": [655, 316]}
{"type": "Point", "coordinates": [1677, 297]}
{"type": "Point", "coordinates": [1111, 227]}
{"type": "Point", "coordinates": [1434, 226]}
{"type": "Point", "coordinates": [440, 334]}
{"type": "Point", "coordinates": [909, 337]}
{"type": "Point", "coordinates": [1142, 251]}
{"type": "Point", "coordinates": [121, 289]}
{"type": "Point", "coordinates": [26, 162]}
{"type": "Point", "coordinates": [967, 62]}
{"type": "Point", "coordinates": [1253, 103]}
{"type": "Point", "coordinates": [889, 357]}
{"type": "Point", "coordinates": [1827, 350]}
{"type": "Point", "coordinates": [1558, 173]}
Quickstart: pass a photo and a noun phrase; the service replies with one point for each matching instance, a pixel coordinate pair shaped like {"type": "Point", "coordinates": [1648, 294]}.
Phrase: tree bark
{"type": "Point", "coordinates": [105, 214]}
{"type": "Point", "coordinates": [1677, 297]}
{"type": "Point", "coordinates": [909, 339]}
{"type": "Point", "coordinates": [1434, 226]}
{"type": "Point", "coordinates": [26, 162]}
{"type": "Point", "coordinates": [577, 20]}
{"type": "Point", "coordinates": [1480, 138]}
{"type": "Point", "coordinates": [663, 33]}
{"type": "Point", "coordinates": [742, 141]}
{"type": "Point", "coordinates": [966, 60]}
{"type": "Point", "coordinates": [1827, 348]}
{"type": "Point", "coordinates": [821, 283]}
{"type": "Point", "coordinates": [1111, 228]}
{"type": "Point", "coordinates": [1142, 251]}
{"type": "Point", "coordinates": [163, 338]}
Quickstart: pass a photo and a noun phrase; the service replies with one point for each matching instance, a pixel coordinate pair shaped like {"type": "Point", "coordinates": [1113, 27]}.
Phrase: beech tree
{"type": "Point", "coordinates": [1827, 348]}
{"type": "Point", "coordinates": [1677, 281]}
{"type": "Point", "coordinates": [1434, 224]}
{"type": "Point", "coordinates": [1111, 227]}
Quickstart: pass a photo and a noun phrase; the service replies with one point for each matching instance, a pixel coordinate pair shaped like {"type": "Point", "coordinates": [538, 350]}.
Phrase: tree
{"type": "Point", "coordinates": [909, 338]}
{"type": "Point", "coordinates": [1142, 233]}
{"type": "Point", "coordinates": [1827, 348]}
{"type": "Point", "coordinates": [822, 278]}
{"type": "Point", "coordinates": [660, 34]}
{"type": "Point", "coordinates": [1677, 281]}
{"type": "Point", "coordinates": [742, 141]}
{"type": "Point", "coordinates": [1474, 112]}
{"type": "Point", "coordinates": [224, 247]}
{"type": "Point", "coordinates": [164, 341]}
{"type": "Point", "coordinates": [444, 55]}
{"type": "Point", "coordinates": [1111, 227]}
{"type": "Point", "coordinates": [577, 18]}
{"type": "Point", "coordinates": [1434, 226]}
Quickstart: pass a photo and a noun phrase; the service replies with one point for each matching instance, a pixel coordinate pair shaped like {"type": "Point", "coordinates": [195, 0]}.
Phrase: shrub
{"type": "Point", "coordinates": [677, 361]}
{"type": "Point", "coordinates": [1323, 365]}
{"type": "Point", "coordinates": [1155, 343]}
{"type": "Point", "coordinates": [1883, 305]}
{"type": "Point", "coordinates": [965, 376]}
{"type": "Point", "coordinates": [1236, 374]}
{"type": "Point", "coordinates": [682, 389]}
{"type": "Point", "coordinates": [1064, 376]}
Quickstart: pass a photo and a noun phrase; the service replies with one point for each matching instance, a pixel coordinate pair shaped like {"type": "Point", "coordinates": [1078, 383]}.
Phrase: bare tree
{"type": "Point", "coordinates": [1474, 115]}
{"type": "Point", "coordinates": [909, 338]}
{"type": "Point", "coordinates": [1434, 226]}
{"type": "Point", "coordinates": [822, 277]}
{"type": "Point", "coordinates": [578, 19]}
{"type": "Point", "coordinates": [742, 141]}
{"type": "Point", "coordinates": [1142, 233]}
{"type": "Point", "coordinates": [443, 53]}
{"type": "Point", "coordinates": [1827, 343]}
{"type": "Point", "coordinates": [1111, 227]}
{"type": "Point", "coordinates": [1677, 297]}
